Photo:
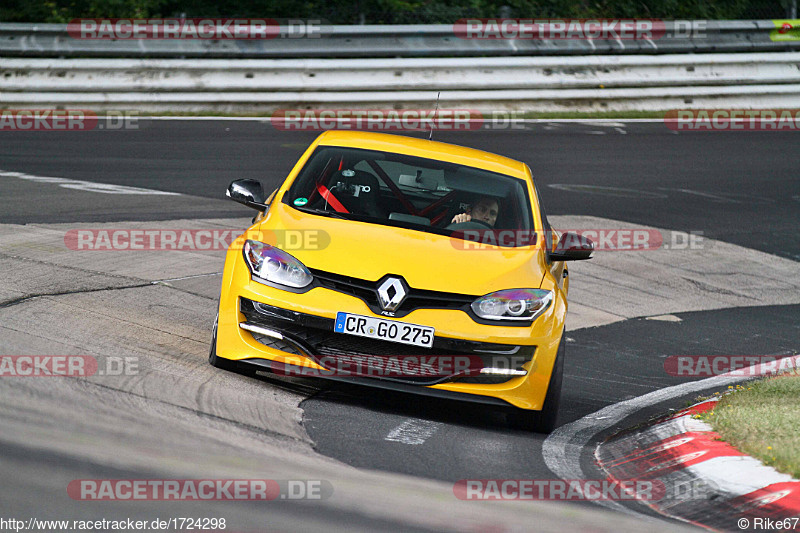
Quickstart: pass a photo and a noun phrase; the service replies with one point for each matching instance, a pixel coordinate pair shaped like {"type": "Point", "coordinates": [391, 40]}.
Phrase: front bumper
{"type": "Point", "coordinates": [313, 337]}
{"type": "Point", "coordinates": [284, 332]}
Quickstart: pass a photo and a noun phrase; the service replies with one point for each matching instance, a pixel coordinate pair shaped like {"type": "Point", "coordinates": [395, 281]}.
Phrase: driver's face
{"type": "Point", "coordinates": [485, 210]}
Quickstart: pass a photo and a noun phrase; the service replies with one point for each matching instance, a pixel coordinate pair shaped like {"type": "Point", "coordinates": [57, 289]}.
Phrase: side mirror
{"type": "Point", "coordinates": [247, 192]}
{"type": "Point", "coordinates": [572, 247]}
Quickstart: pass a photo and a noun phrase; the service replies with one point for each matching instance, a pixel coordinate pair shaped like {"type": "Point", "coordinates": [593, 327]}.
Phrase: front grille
{"type": "Point", "coordinates": [316, 337]}
{"type": "Point", "coordinates": [359, 288]}
{"type": "Point", "coordinates": [320, 339]}
{"type": "Point", "coordinates": [366, 291]}
{"type": "Point", "coordinates": [277, 344]}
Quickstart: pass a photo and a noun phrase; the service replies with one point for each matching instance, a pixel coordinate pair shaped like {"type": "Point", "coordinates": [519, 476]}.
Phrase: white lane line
{"type": "Point", "coordinates": [562, 448]}
{"type": "Point", "coordinates": [599, 121]}
{"type": "Point", "coordinates": [88, 186]}
{"type": "Point", "coordinates": [713, 197]}
{"type": "Point", "coordinates": [186, 277]}
{"type": "Point", "coordinates": [413, 431]}
{"type": "Point", "coordinates": [622, 192]}
{"type": "Point", "coordinates": [738, 475]}
{"type": "Point", "coordinates": [605, 123]}
{"type": "Point", "coordinates": [664, 318]}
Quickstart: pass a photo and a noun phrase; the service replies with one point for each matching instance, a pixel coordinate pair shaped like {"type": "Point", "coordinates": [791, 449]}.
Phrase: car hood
{"type": "Point", "coordinates": [425, 260]}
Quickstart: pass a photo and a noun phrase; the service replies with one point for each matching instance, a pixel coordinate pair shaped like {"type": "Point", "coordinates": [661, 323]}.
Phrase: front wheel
{"type": "Point", "coordinates": [218, 362]}
{"type": "Point", "coordinates": [543, 421]}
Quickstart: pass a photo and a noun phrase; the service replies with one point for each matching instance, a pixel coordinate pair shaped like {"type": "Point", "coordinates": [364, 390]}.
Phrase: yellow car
{"type": "Point", "coordinates": [406, 264]}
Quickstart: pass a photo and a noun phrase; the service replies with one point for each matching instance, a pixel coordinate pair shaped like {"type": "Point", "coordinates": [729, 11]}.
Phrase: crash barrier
{"type": "Point", "coordinates": [581, 83]}
{"type": "Point", "coordinates": [373, 41]}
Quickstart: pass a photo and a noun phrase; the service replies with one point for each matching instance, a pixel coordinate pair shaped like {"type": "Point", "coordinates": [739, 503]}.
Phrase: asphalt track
{"type": "Point", "coordinates": [739, 188]}
{"type": "Point", "coordinates": [605, 365]}
{"type": "Point", "coordinates": [734, 186]}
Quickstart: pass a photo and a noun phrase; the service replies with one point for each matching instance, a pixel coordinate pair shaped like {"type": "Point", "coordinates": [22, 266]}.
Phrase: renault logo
{"type": "Point", "coordinates": [391, 293]}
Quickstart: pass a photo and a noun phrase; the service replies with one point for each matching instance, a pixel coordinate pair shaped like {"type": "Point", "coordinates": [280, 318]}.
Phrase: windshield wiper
{"type": "Point", "coordinates": [323, 212]}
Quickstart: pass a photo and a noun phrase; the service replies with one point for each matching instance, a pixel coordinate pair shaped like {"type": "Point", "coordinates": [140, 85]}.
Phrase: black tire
{"type": "Point", "coordinates": [543, 421]}
{"type": "Point", "coordinates": [213, 359]}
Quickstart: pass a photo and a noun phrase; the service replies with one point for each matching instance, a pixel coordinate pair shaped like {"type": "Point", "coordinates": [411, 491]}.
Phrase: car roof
{"type": "Point", "coordinates": [424, 148]}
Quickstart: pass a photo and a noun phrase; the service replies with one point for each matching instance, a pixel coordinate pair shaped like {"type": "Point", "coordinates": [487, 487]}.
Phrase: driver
{"type": "Point", "coordinates": [484, 210]}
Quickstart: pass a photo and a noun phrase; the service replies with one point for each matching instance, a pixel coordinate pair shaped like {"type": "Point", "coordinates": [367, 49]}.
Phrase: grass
{"type": "Point", "coordinates": [761, 419]}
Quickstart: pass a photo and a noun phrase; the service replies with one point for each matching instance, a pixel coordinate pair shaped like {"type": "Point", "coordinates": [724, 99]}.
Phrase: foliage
{"type": "Point", "coordinates": [389, 11]}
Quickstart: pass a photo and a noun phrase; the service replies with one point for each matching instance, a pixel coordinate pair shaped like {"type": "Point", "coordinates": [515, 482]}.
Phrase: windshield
{"type": "Point", "coordinates": [416, 193]}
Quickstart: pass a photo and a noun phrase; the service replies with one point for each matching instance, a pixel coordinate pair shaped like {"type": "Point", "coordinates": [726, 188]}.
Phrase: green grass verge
{"type": "Point", "coordinates": [534, 115]}
{"type": "Point", "coordinates": [761, 419]}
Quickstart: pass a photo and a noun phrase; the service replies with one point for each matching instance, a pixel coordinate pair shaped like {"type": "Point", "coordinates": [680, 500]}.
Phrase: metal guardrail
{"type": "Point", "coordinates": [585, 83]}
{"type": "Point", "coordinates": [396, 74]}
{"type": "Point", "coordinates": [401, 67]}
{"type": "Point", "coordinates": [52, 40]}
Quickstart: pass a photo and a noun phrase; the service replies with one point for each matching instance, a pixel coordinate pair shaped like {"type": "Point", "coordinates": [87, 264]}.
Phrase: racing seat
{"type": "Point", "coordinates": [358, 191]}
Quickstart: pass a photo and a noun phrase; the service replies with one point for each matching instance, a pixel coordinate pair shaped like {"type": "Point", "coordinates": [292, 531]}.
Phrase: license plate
{"type": "Point", "coordinates": [386, 330]}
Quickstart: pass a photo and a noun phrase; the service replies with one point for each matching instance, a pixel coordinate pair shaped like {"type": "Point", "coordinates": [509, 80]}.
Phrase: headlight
{"type": "Point", "coordinates": [275, 265]}
{"type": "Point", "coordinates": [513, 304]}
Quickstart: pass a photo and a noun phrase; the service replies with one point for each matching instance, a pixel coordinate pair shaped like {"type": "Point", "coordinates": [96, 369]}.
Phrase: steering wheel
{"type": "Point", "coordinates": [470, 224]}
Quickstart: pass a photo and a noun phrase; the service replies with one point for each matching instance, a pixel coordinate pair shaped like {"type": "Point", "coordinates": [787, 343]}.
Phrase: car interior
{"type": "Point", "coordinates": [394, 189]}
